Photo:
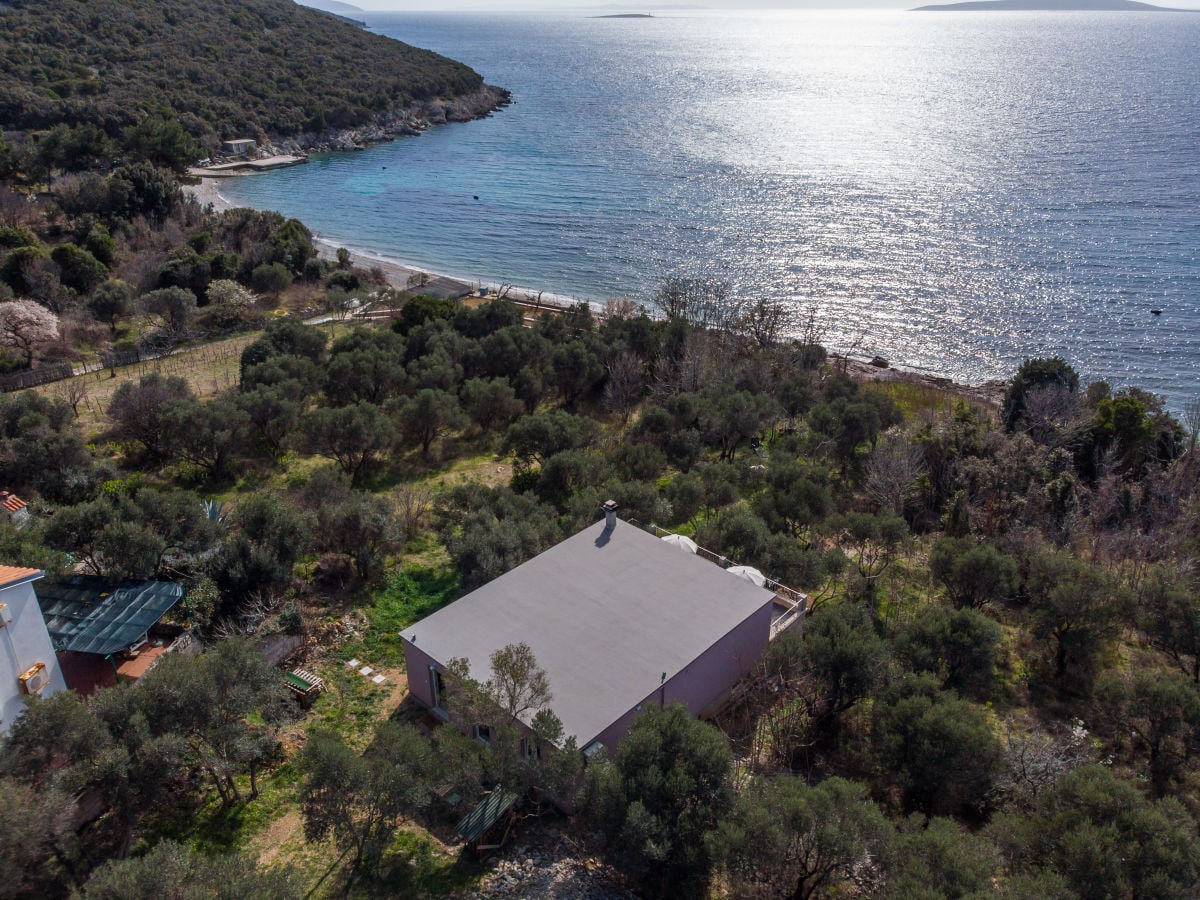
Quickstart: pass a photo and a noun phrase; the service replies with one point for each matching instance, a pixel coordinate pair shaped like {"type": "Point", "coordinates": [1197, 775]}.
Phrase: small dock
{"type": "Point", "coordinates": [243, 166]}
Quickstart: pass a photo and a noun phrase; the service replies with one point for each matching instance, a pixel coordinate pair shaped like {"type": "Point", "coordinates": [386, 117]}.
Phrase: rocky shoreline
{"type": "Point", "coordinates": [408, 121]}
{"type": "Point", "coordinates": [988, 393]}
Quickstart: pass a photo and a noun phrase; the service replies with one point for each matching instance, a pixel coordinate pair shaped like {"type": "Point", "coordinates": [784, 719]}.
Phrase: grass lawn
{"type": "Point", "coordinates": [913, 397]}
{"type": "Point", "coordinates": [410, 594]}
{"type": "Point", "coordinates": [210, 369]}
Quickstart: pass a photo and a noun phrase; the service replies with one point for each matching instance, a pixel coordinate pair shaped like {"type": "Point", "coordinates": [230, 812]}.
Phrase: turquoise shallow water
{"type": "Point", "coordinates": [955, 192]}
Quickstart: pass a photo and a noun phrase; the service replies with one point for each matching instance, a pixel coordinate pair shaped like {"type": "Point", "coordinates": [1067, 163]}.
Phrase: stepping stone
{"type": "Point", "coordinates": [365, 670]}
{"type": "Point", "coordinates": [354, 664]}
{"type": "Point", "coordinates": [379, 679]}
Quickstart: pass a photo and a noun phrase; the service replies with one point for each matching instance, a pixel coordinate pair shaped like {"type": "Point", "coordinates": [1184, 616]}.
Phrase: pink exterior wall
{"type": "Point", "coordinates": [708, 677]}
{"type": "Point", "coordinates": [420, 682]}
{"type": "Point", "coordinates": [698, 686]}
{"type": "Point", "coordinates": [417, 665]}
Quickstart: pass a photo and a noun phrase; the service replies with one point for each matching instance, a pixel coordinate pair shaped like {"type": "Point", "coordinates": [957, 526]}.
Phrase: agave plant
{"type": "Point", "coordinates": [217, 510]}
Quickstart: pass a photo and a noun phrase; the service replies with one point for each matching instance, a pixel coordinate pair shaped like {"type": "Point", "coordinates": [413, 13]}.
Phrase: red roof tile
{"type": "Point", "coordinates": [13, 574]}
{"type": "Point", "coordinates": [139, 665]}
{"type": "Point", "coordinates": [11, 502]}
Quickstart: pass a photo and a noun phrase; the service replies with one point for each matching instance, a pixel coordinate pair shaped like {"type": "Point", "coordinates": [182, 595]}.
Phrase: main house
{"type": "Point", "coordinates": [619, 620]}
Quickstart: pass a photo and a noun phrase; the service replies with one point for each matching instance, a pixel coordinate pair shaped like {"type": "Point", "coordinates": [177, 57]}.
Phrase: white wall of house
{"type": "Point", "coordinates": [24, 643]}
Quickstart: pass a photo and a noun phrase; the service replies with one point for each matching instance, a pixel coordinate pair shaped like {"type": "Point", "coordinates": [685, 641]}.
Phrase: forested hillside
{"type": "Point", "coordinates": [995, 692]}
{"type": "Point", "coordinates": [253, 68]}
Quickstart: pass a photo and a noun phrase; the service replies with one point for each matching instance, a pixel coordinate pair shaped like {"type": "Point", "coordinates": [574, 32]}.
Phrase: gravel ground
{"type": "Point", "coordinates": [542, 863]}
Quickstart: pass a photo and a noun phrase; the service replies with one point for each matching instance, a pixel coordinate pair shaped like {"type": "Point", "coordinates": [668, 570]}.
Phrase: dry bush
{"type": "Point", "coordinates": [81, 330]}
{"type": "Point", "coordinates": [73, 391]}
{"type": "Point", "coordinates": [413, 504]}
{"type": "Point", "coordinates": [619, 307]}
{"type": "Point", "coordinates": [140, 268]}
{"type": "Point", "coordinates": [17, 208]}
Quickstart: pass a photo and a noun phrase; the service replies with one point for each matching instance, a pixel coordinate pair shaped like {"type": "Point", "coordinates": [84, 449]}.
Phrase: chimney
{"type": "Point", "coordinates": [610, 514]}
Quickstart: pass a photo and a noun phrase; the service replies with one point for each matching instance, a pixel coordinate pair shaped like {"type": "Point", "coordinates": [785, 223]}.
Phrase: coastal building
{"type": "Point", "coordinates": [16, 509]}
{"type": "Point", "coordinates": [619, 620]}
{"type": "Point", "coordinates": [28, 666]}
{"type": "Point", "coordinates": [239, 146]}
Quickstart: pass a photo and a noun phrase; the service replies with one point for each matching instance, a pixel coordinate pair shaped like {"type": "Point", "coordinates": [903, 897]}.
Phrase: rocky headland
{"type": "Point", "coordinates": [407, 121]}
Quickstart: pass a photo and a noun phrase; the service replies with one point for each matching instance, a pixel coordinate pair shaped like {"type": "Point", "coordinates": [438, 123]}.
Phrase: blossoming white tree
{"type": "Point", "coordinates": [25, 324]}
{"type": "Point", "coordinates": [229, 294]}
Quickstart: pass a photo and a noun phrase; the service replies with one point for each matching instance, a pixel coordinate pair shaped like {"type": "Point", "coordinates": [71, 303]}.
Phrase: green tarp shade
{"type": "Point", "coordinates": [478, 821]}
{"type": "Point", "coordinates": [296, 681]}
{"type": "Point", "coordinates": [92, 615]}
{"type": "Point", "coordinates": [304, 682]}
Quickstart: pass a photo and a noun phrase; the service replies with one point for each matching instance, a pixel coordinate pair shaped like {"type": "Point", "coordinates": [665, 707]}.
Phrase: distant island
{"type": "Point", "coordinates": [625, 16]}
{"type": "Point", "coordinates": [1048, 6]}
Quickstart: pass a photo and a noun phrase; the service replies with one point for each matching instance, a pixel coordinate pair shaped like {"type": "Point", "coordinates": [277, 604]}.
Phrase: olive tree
{"type": "Point", "coordinates": [355, 437]}
{"type": "Point", "coordinates": [365, 528]}
{"type": "Point", "coordinates": [940, 749]}
{"type": "Point", "coordinates": [428, 415]}
{"type": "Point", "coordinates": [360, 799]}
{"type": "Point", "coordinates": [973, 574]}
{"type": "Point", "coordinates": [139, 412]}
{"type": "Point", "coordinates": [172, 870]}
{"type": "Point", "coordinates": [788, 839]}
{"type": "Point", "coordinates": [958, 646]}
{"type": "Point", "coordinates": [1099, 834]}
{"type": "Point", "coordinates": [1158, 713]}
{"type": "Point", "coordinates": [659, 800]}
{"type": "Point", "coordinates": [110, 302]}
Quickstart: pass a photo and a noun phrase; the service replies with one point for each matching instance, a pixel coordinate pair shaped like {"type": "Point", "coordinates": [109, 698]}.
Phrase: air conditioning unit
{"type": "Point", "coordinates": [5, 616]}
{"type": "Point", "coordinates": [34, 678]}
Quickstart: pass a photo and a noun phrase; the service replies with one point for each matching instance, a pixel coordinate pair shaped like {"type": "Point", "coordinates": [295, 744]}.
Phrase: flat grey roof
{"type": "Point", "coordinates": [605, 613]}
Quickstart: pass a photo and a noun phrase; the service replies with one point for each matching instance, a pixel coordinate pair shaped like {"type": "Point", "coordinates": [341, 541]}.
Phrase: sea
{"type": "Point", "coordinates": [954, 192]}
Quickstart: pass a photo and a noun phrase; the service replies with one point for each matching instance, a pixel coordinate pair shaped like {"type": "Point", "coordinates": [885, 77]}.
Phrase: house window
{"type": "Point", "coordinates": [436, 686]}
{"type": "Point", "coordinates": [591, 750]}
{"type": "Point", "coordinates": [531, 748]}
{"type": "Point", "coordinates": [483, 734]}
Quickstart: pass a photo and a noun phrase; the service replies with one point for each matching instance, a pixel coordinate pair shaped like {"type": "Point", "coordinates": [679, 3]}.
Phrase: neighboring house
{"type": "Point", "coordinates": [27, 662]}
{"type": "Point", "coordinates": [619, 620]}
{"type": "Point", "coordinates": [239, 146]}
{"type": "Point", "coordinates": [102, 630]}
{"type": "Point", "coordinates": [15, 508]}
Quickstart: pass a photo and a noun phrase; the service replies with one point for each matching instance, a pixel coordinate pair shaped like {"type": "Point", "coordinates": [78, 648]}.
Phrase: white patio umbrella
{"type": "Point", "coordinates": [749, 573]}
{"type": "Point", "coordinates": [682, 542]}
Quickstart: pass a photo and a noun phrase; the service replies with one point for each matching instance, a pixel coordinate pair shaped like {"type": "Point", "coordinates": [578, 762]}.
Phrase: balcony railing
{"type": "Point", "coordinates": [795, 601]}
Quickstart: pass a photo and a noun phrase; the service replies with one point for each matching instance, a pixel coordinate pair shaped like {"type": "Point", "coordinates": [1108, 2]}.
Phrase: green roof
{"type": "Point", "coordinates": [478, 821]}
{"type": "Point", "coordinates": [94, 615]}
{"type": "Point", "coordinates": [297, 681]}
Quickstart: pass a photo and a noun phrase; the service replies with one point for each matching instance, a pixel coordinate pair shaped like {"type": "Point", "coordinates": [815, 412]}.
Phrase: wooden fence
{"type": "Point", "coordinates": [15, 381]}
{"type": "Point", "coordinates": [126, 356]}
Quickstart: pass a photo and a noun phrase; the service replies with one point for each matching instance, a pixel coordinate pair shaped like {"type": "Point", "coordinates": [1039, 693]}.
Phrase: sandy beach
{"type": "Point", "coordinates": [396, 273]}
{"type": "Point", "coordinates": [208, 192]}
